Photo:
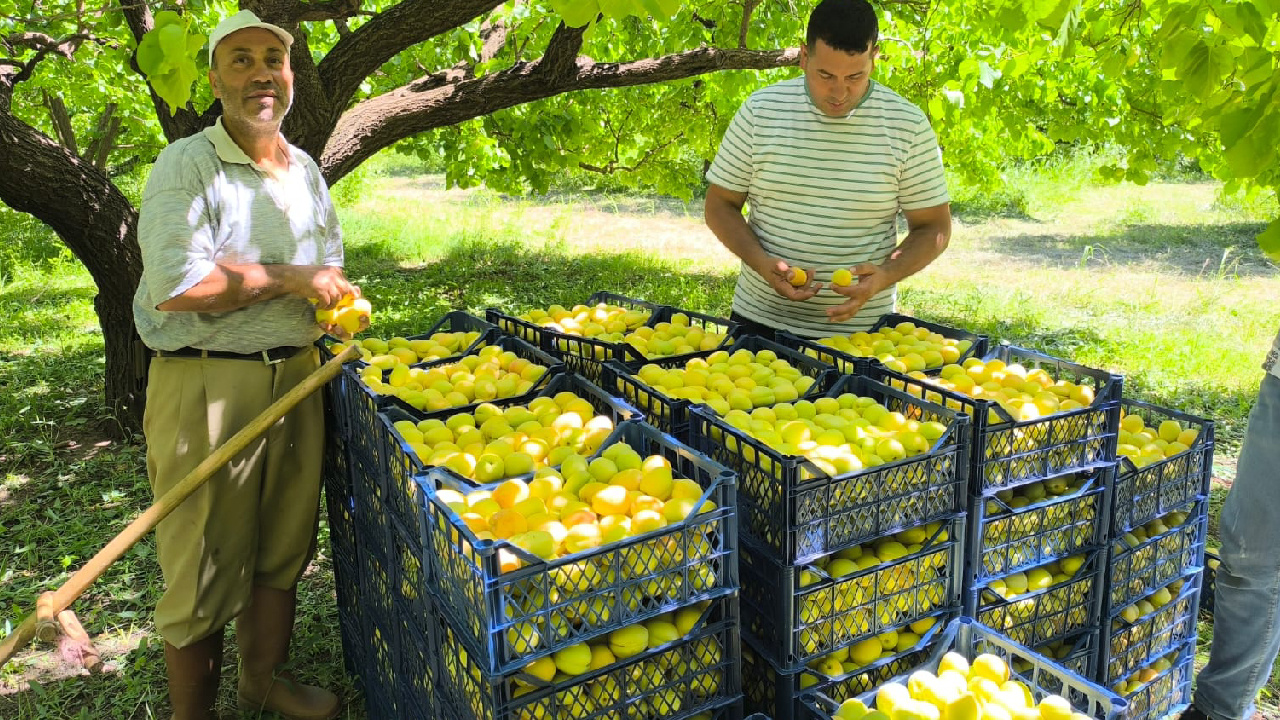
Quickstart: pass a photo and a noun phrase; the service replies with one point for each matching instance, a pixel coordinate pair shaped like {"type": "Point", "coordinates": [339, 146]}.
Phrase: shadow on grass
{"type": "Point", "coordinates": [1225, 250]}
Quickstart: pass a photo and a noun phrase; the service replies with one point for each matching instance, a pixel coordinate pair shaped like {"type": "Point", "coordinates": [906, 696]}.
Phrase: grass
{"type": "Point", "coordinates": [1162, 283]}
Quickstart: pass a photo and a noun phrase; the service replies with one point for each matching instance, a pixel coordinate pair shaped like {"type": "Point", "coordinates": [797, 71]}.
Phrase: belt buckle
{"type": "Point", "coordinates": [268, 360]}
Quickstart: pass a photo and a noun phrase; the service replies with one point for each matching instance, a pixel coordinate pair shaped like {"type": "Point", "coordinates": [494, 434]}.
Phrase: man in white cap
{"type": "Point", "coordinates": [239, 237]}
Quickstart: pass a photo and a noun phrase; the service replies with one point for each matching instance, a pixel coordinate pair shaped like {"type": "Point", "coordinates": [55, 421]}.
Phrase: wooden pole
{"type": "Point", "coordinates": [46, 624]}
{"type": "Point", "coordinates": [75, 586]}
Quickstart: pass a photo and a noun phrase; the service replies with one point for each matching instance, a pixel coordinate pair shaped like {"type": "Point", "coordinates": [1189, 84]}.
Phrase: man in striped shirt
{"type": "Point", "coordinates": [827, 160]}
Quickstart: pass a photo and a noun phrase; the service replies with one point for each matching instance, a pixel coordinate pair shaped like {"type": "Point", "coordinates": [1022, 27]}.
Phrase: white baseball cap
{"type": "Point", "coordinates": [244, 20]}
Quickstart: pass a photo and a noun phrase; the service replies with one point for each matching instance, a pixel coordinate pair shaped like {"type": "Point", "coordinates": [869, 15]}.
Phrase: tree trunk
{"type": "Point", "coordinates": [97, 222]}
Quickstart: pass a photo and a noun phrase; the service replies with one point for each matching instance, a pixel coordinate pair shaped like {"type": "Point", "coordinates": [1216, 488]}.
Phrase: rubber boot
{"type": "Point", "coordinates": [263, 632]}
{"type": "Point", "coordinates": [194, 672]}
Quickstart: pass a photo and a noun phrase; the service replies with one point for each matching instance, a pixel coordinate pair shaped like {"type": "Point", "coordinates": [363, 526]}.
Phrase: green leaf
{"type": "Point", "coordinates": [1203, 68]}
{"type": "Point", "coordinates": [166, 17]}
{"type": "Point", "coordinates": [1269, 240]}
{"type": "Point", "coordinates": [575, 13]}
{"type": "Point", "coordinates": [987, 75]}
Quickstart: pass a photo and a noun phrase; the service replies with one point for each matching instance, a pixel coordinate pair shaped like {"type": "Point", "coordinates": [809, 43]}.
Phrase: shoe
{"type": "Point", "coordinates": [289, 699]}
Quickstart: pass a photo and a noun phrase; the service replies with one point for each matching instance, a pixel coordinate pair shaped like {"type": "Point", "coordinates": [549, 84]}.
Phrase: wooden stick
{"type": "Point", "coordinates": [46, 624]}
{"type": "Point", "coordinates": [75, 586]}
{"type": "Point", "coordinates": [75, 643]}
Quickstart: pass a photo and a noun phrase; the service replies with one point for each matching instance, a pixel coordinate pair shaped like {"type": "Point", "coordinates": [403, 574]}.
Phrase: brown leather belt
{"type": "Point", "coordinates": [269, 357]}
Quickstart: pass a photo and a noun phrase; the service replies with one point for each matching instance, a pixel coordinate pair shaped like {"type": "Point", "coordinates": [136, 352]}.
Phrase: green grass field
{"type": "Point", "coordinates": [1162, 283]}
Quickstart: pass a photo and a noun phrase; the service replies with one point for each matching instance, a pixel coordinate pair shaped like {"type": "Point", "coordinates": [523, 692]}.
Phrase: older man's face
{"type": "Point", "coordinates": [252, 77]}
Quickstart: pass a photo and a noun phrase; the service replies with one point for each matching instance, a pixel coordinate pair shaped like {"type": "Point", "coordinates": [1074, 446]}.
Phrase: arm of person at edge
{"type": "Point", "coordinates": [231, 287]}
{"type": "Point", "coordinates": [928, 232]}
{"type": "Point", "coordinates": [723, 213]}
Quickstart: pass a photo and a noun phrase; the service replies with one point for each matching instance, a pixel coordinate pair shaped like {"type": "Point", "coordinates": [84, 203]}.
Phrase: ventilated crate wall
{"type": "Point", "coordinates": [794, 624]}
{"type": "Point", "coordinates": [798, 512]}
{"type": "Point", "coordinates": [1042, 676]}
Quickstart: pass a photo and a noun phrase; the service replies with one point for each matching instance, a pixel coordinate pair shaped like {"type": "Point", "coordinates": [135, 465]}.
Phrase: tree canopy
{"type": "Point", "coordinates": [514, 93]}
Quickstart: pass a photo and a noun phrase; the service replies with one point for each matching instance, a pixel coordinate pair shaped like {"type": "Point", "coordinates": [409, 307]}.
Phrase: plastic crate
{"type": "Point", "coordinates": [339, 499]}
{"type": "Point", "coordinates": [1048, 614]}
{"type": "Point", "coordinates": [453, 321]}
{"type": "Point", "coordinates": [604, 589]}
{"type": "Point", "coordinates": [696, 673]}
{"type": "Point", "coordinates": [400, 464]}
{"type": "Point", "coordinates": [1210, 586]}
{"type": "Point", "coordinates": [770, 691]}
{"type": "Point", "coordinates": [1169, 693]}
{"type": "Point", "coordinates": [857, 365]}
{"type": "Point", "coordinates": [380, 674]}
{"type": "Point", "coordinates": [796, 511]}
{"type": "Point", "coordinates": [1132, 646]}
{"type": "Point", "coordinates": [1143, 494]}
{"type": "Point", "coordinates": [1003, 539]}
{"type": "Point", "coordinates": [793, 625]}
{"type": "Point", "coordinates": [970, 639]}
{"type": "Point", "coordinates": [1080, 656]}
{"type": "Point", "coordinates": [672, 414]}
{"type": "Point", "coordinates": [1008, 453]}
{"type": "Point", "coordinates": [372, 523]}
{"type": "Point", "coordinates": [542, 336]}
{"type": "Point", "coordinates": [521, 348]}
{"type": "Point", "coordinates": [1136, 571]}
{"type": "Point", "coordinates": [587, 355]}
{"type": "Point", "coordinates": [417, 658]}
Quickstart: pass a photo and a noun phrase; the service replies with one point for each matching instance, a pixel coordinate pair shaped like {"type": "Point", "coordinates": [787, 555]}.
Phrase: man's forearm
{"type": "Point", "coordinates": [231, 287]}
{"type": "Point", "coordinates": [920, 247]}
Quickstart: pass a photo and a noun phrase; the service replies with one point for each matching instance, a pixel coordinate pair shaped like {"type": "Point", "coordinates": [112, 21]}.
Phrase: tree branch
{"type": "Point", "coordinates": [381, 121]}
{"type": "Point", "coordinates": [748, 7]}
{"type": "Point", "coordinates": [61, 121]}
{"type": "Point", "coordinates": [359, 54]}
{"type": "Point", "coordinates": [329, 10]}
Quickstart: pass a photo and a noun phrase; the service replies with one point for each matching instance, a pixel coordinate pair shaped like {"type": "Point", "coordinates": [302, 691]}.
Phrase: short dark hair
{"type": "Point", "coordinates": [846, 25]}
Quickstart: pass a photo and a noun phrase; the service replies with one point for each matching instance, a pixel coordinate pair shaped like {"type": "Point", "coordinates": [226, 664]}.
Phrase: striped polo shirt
{"type": "Point", "coordinates": [824, 193]}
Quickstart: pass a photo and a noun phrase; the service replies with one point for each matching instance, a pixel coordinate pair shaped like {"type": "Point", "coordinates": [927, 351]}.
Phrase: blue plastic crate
{"type": "Point", "coordinates": [1008, 453]}
{"type": "Point", "coordinates": [1210, 587]}
{"type": "Point", "coordinates": [1143, 494]}
{"type": "Point", "coordinates": [406, 561]}
{"type": "Point", "coordinates": [359, 405]}
{"type": "Point", "coordinates": [581, 596]}
{"type": "Point", "coordinates": [780, 695]}
{"type": "Point", "coordinates": [587, 355]}
{"type": "Point", "coordinates": [339, 499]}
{"type": "Point", "coordinates": [520, 348]}
{"type": "Point", "coordinates": [372, 523]}
{"type": "Point", "coordinates": [855, 365]}
{"type": "Point", "coordinates": [452, 322]}
{"type": "Point", "coordinates": [1169, 693]}
{"type": "Point", "coordinates": [378, 593]}
{"type": "Point", "coordinates": [544, 337]}
{"type": "Point", "coordinates": [1004, 539]}
{"type": "Point", "coordinates": [1044, 615]}
{"type": "Point", "coordinates": [417, 656]}
{"type": "Point", "coordinates": [697, 673]}
{"type": "Point", "coordinates": [790, 506]}
{"type": "Point", "coordinates": [1041, 675]}
{"type": "Point", "coordinates": [1134, 571]}
{"type": "Point", "coordinates": [1077, 652]}
{"type": "Point", "coordinates": [1133, 645]}
{"type": "Point", "coordinates": [794, 624]}
{"type": "Point", "coordinates": [380, 674]}
{"type": "Point", "coordinates": [672, 414]}
{"type": "Point", "coordinates": [400, 464]}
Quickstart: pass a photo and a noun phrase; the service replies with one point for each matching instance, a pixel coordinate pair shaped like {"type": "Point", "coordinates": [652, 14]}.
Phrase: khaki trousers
{"type": "Point", "coordinates": [254, 522]}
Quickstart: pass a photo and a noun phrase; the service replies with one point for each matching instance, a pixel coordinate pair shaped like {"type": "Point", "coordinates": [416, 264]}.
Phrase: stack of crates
{"type": "Point", "coordinates": [1156, 553]}
{"type": "Point", "coordinates": [651, 620]}
{"type": "Point", "coordinates": [1040, 675]}
{"type": "Point", "coordinates": [1039, 499]}
{"type": "Point", "coordinates": [846, 577]}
